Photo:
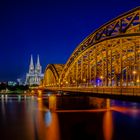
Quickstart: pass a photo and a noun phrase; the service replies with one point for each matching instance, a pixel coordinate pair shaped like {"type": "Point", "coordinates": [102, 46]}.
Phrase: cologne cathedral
{"type": "Point", "coordinates": [35, 75]}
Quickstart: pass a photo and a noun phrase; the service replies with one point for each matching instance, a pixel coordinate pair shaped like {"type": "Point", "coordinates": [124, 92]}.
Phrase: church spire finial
{"type": "Point", "coordinates": [31, 61]}
{"type": "Point", "coordinates": [31, 67]}
{"type": "Point", "coordinates": [38, 60]}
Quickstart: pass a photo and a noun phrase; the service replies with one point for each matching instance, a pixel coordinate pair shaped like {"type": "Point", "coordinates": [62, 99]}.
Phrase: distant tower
{"type": "Point", "coordinates": [34, 76]}
{"type": "Point", "coordinates": [31, 67]}
{"type": "Point", "coordinates": [38, 68]}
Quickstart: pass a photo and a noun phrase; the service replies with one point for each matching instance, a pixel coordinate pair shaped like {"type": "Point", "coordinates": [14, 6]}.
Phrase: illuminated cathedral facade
{"type": "Point", "coordinates": [35, 75]}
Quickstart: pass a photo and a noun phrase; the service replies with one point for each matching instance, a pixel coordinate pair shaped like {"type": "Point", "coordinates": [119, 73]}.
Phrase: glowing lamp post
{"type": "Point", "coordinates": [66, 83]}
{"type": "Point", "coordinates": [84, 80]}
{"type": "Point", "coordinates": [73, 82]}
{"type": "Point", "coordinates": [101, 77]}
{"type": "Point", "coordinates": [134, 73]}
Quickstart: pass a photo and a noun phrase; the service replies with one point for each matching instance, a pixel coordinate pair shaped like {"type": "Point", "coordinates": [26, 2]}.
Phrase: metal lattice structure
{"type": "Point", "coordinates": [52, 74]}
{"type": "Point", "coordinates": [110, 56]}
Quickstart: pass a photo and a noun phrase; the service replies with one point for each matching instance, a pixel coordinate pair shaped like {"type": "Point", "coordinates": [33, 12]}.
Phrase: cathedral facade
{"type": "Point", "coordinates": [35, 75]}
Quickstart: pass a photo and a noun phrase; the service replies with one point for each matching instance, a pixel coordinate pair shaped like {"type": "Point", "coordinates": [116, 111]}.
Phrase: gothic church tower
{"type": "Point", "coordinates": [34, 76]}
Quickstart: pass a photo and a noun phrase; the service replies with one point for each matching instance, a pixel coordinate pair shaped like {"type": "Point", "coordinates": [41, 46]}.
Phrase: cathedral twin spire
{"type": "Point", "coordinates": [31, 67]}
{"type": "Point", "coordinates": [34, 76]}
{"type": "Point", "coordinates": [37, 67]}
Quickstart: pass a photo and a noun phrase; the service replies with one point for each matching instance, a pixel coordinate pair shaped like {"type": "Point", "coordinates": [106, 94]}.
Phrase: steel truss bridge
{"type": "Point", "coordinates": [107, 61]}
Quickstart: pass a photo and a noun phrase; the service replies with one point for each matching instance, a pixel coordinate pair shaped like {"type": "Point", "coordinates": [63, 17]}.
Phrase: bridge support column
{"type": "Point", "coordinates": [52, 103]}
{"type": "Point", "coordinates": [82, 69]}
{"type": "Point", "coordinates": [88, 71]}
{"type": "Point", "coordinates": [127, 69]}
{"type": "Point", "coordinates": [95, 84]}
{"type": "Point", "coordinates": [111, 68]}
{"type": "Point", "coordinates": [121, 63]}
{"type": "Point", "coordinates": [106, 78]}
{"type": "Point", "coordinates": [103, 71]}
{"type": "Point", "coordinates": [77, 74]}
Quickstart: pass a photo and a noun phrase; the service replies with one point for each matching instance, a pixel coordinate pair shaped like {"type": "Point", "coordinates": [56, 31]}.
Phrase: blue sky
{"type": "Point", "coordinates": [50, 28]}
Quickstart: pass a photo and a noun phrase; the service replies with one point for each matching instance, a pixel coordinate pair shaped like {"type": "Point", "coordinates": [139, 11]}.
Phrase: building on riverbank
{"type": "Point", "coordinates": [34, 76]}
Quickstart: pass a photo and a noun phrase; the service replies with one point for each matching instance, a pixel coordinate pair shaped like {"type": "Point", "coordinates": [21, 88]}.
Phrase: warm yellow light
{"type": "Point", "coordinates": [73, 81]}
{"type": "Point", "coordinates": [39, 92]}
{"type": "Point", "coordinates": [138, 80]}
{"type": "Point", "coordinates": [101, 77]}
{"type": "Point", "coordinates": [134, 72]}
{"type": "Point", "coordinates": [66, 82]}
{"type": "Point", "coordinates": [32, 92]}
{"type": "Point", "coordinates": [84, 80]}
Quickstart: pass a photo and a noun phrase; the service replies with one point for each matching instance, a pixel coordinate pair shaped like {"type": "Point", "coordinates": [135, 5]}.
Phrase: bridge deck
{"type": "Point", "coordinates": [129, 91]}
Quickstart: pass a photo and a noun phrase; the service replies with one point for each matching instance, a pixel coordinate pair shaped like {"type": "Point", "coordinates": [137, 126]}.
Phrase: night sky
{"type": "Point", "coordinates": [50, 28]}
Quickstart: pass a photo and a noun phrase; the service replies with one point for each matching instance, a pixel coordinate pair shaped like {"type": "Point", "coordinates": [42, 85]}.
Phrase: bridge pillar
{"type": "Point", "coordinates": [106, 65]}
{"type": "Point", "coordinates": [82, 69]}
{"type": "Point", "coordinates": [89, 70]}
{"type": "Point", "coordinates": [52, 103]}
{"type": "Point", "coordinates": [121, 64]}
{"type": "Point", "coordinates": [95, 84]}
{"type": "Point", "coordinates": [76, 74]}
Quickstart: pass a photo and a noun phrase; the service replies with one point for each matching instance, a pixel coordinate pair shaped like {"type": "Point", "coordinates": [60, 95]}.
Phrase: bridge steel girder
{"type": "Point", "coordinates": [110, 56]}
{"type": "Point", "coordinates": [52, 74]}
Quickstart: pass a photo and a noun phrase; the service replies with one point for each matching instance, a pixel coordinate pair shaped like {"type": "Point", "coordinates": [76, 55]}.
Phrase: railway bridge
{"type": "Point", "coordinates": [107, 61]}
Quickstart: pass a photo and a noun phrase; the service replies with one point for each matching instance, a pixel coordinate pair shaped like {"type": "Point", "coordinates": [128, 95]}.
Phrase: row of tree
{"type": "Point", "coordinates": [4, 86]}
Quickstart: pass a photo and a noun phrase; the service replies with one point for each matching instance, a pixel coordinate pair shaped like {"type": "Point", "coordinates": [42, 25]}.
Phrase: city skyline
{"type": "Point", "coordinates": [52, 29]}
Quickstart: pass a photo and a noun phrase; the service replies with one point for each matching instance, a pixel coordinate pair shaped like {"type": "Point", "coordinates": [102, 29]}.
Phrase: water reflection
{"type": "Point", "coordinates": [3, 108]}
{"type": "Point", "coordinates": [108, 125]}
{"type": "Point", "coordinates": [134, 112]}
{"type": "Point", "coordinates": [52, 102]}
{"type": "Point", "coordinates": [47, 123]}
{"type": "Point", "coordinates": [29, 118]}
{"type": "Point", "coordinates": [48, 118]}
{"type": "Point", "coordinates": [39, 120]}
{"type": "Point", "coordinates": [53, 130]}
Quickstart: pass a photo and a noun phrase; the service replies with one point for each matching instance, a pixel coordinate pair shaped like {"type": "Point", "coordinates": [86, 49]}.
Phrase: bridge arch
{"type": "Point", "coordinates": [52, 74]}
{"type": "Point", "coordinates": [110, 56]}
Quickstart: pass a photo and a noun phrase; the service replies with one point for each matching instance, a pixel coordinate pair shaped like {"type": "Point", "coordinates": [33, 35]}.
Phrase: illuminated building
{"type": "Point", "coordinates": [34, 76]}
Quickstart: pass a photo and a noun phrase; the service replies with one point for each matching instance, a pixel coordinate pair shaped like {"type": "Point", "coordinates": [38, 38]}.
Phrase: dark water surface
{"type": "Point", "coordinates": [30, 119]}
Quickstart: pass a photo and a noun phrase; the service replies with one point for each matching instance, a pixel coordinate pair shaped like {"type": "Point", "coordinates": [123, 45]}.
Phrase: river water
{"type": "Point", "coordinates": [76, 118]}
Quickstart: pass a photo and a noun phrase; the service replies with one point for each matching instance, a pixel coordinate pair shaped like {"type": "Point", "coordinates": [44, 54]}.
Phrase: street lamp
{"type": "Point", "coordinates": [84, 80]}
{"type": "Point", "coordinates": [101, 77]}
{"type": "Point", "coordinates": [66, 83]}
{"type": "Point", "coordinates": [134, 73]}
{"type": "Point", "coordinates": [73, 81]}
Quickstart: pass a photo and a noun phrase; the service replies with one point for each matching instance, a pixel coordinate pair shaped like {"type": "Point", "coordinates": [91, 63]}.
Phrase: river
{"type": "Point", "coordinates": [76, 118]}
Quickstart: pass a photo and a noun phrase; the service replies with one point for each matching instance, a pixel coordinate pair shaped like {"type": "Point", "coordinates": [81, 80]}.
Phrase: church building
{"type": "Point", "coordinates": [34, 76]}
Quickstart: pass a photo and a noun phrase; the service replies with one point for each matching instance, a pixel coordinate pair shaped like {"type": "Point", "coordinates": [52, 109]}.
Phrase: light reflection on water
{"type": "Point", "coordinates": [47, 123]}
{"type": "Point", "coordinates": [53, 128]}
{"type": "Point", "coordinates": [108, 125]}
{"type": "Point", "coordinates": [48, 118]}
{"type": "Point", "coordinates": [28, 118]}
